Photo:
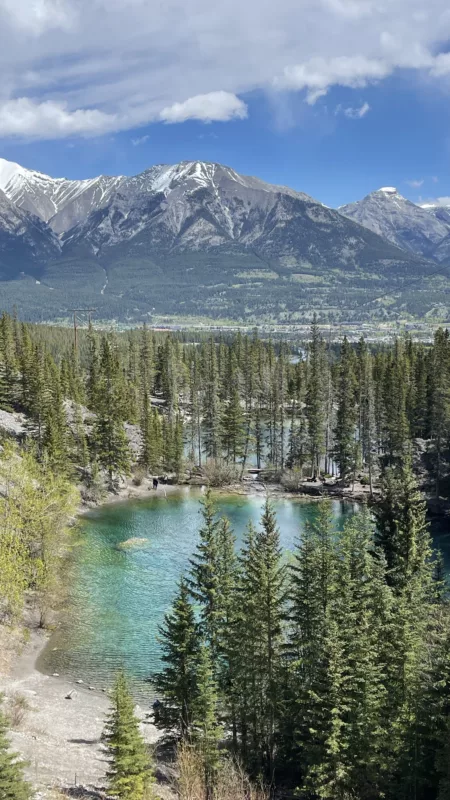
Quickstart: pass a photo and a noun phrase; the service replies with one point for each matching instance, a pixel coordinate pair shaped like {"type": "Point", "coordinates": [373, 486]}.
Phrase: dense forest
{"type": "Point", "coordinates": [237, 401]}
{"type": "Point", "coordinates": [322, 673]}
{"type": "Point", "coordinates": [327, 674]}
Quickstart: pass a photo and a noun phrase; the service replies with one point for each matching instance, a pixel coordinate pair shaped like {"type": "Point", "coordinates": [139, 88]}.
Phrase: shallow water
{"type": "Point", "coordinates": [118, 596]}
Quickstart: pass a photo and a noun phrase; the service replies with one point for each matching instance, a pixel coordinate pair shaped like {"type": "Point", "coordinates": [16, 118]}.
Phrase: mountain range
{"type": "Point", "coordinates": [199, 239]}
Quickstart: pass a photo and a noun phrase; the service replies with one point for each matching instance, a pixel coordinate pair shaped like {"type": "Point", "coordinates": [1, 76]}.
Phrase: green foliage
{"type": "Point", "coordinates": [177, 681]}
{"type": "Point", "coordinates": [12, 783]}
{"type": "Point", "coordinates": [206, 729]}
{"type": "Point", "coordinates": [129, 774]}
{"type": "Point", "coordinates": [34, 514]}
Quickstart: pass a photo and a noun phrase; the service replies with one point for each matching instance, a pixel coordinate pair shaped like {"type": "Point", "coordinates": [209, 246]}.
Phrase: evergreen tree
{"type": "Point", "coordinates": [440, 400]}
{"type": "Point", "coordinates": [309, 700]}
{"type": "Point", "coordinates": [345, 444]}
{"type": "Point", "coordinates": [146, 455]}
{"type": "Point", "coordinates": [211, 414]}
{"type": "Point", "coordinates": [129, 774]}
{"type": "Point", "coordinates": [315, 397]}
{"type": "Point", "coordinates": [111, 446]}
{"type": "Point", "coordinates": [110, 441]}
{"type": "Point", "coordinates": [263, 595]}
{"type": "Point", "coordinates": [403, 529]}
{"type": "Point", "coordinates": [233, 425]}
{"type": "Point", "coordinates": [12, 783]}
{"type": "Point", "coordinates": [177, 680]}
{"type": "Point", "coordinates": [205, 578]}
{"type": "Point", "coordinates": [207, 732]}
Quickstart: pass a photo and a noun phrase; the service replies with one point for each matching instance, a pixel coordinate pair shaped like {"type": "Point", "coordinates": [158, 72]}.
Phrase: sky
{"type": "Point", "coordinates": [335, 98]}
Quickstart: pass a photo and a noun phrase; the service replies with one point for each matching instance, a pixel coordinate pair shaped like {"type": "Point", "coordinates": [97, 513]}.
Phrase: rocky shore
{"type": "Point", "coordinates": [60, 732]}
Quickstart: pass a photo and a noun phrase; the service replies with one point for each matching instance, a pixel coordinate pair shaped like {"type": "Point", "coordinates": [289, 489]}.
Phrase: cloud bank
{"type": "Point", "coordinates": [88, 67]}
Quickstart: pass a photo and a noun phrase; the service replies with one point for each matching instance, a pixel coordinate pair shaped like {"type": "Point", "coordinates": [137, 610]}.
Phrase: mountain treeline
{"type": "Point", "coordinates": [326, 673]}
{"type": "Point", "coordinates": [350, 410]}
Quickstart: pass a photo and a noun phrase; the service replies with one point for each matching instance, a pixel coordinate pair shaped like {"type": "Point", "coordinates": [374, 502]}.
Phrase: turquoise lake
{"type": "Point", "coordinates": [118, 597]}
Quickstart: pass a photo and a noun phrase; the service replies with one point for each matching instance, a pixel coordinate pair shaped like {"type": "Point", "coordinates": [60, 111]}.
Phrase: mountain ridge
{"type": "Point", "coordinates": [198, 238]}
{"type": "Point", "coordinates": [405, 224]}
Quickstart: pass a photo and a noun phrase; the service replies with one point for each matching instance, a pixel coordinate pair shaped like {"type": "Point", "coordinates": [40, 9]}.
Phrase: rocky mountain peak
{"type": "Point", "coordinates": [389, 214]}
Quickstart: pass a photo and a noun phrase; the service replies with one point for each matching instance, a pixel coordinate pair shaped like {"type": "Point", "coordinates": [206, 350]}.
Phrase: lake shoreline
{"type": "Point", "coordinates": [309, 492]}
{"type": "Point", "coordinates": [60, 734]}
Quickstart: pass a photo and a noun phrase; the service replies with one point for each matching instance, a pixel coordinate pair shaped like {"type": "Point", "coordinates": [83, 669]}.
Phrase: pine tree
{"type": "Point", "coordinates": [146, 456]}
{"type": "Point", "coordinates": [129, 774]}
{"type": "Point", "coordinates": [110, 440]}
{"type": "Point", "coordinates": [178, 679]}
{"type": "Point", "coordinates": [204, 578]}
{"type": "Point", "coordinates": [402, 526]}
{"type": "Point", "coordinates": [211, 413]}
{"type": "Point", "coordinates": [228, 620]}
{"type": "Point", "coordinates": [207, 732]}
{"type": "Point", "coordinates": [80, 454]}
{"type": "Point", "coordinates": [8, 364]}
{"type": "Point", "coordinates": [262, 601]}
{"type": "Point", "coordinates": [233, 425]}
{"type": "Point", "coordinates": [315, 396]}
{"type": "Point", "coordinates": [111, 446]}
{"type": "Point", "coordinates": [309, 699]}
{"type": "Point", "coordinates": [440, 399]}
{"type": "Point", "coordinates": [93, 376]}
{"type": "Point", "coordinates": [344, 433]}
{"type": "Point", "coordinates": [12, 783]}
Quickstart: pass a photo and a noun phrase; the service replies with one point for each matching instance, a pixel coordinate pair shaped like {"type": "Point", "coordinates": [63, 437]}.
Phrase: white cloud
{"type": "Point", "coordinates": [93, 66]}
{"type": "Point", "coordinates": [23, 117]}
{"type": "Point", "coordinates": [439, 201]}
{"type": "Point", "coordinates": [357, 113]}
{"type": "Point", "coordinates": [214, 106]}
{"type": "Point", "coordinates": [415, 184]}
{"type": "Point", "coordinates": [37, 16]}
{"type": "Point", "coordinates": [140, 140]}
{"type": "Point", "coordinates": [318, 74]}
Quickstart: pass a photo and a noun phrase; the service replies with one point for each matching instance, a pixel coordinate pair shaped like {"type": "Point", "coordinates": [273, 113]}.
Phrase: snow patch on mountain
{"type": "Point", "coordinates": [389, 214]}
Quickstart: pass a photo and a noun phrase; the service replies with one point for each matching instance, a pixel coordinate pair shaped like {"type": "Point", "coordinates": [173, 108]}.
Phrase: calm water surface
{"type": "Point", "coordinates": [118, 597]}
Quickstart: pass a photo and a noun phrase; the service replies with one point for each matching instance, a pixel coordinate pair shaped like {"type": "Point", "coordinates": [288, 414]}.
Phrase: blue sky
{"type": "Point", "coordinates": [333, 97]}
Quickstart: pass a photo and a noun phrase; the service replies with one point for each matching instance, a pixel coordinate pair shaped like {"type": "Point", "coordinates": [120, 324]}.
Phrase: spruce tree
{"type": "Point", "coordinates": [262, 601]}
{"type": "Point", "coordinates": [228, 620]}
{"type": "Point", "coordinates": [211, 411]}
{"type": "Point", "coordinates": [309, 700]}
{"type": "Point", "coordinates": [402, 527]}
{"type": "Point", "coordinates": [344, 433]}
{"type": "Point", "coordinates": [177, 680]}
{"type": "Point", "coordinates": [207, 731]}
{"type": "Point", "coordinates": [129, 774]}
{"type": "Point", "coordinates": [440, 401]}
{"type": "Point", "coordinates": [315, 398]}
{"type": "Point", "coordinates": [233, 436]}
{"type": "Point", "coordinates": [12, 783]}
{"type": "Point", "coordinates": [204, 575]}
{"type": "Point", "coordinates": [145, 456]}
{"type": "Point", "coordinates": [110, 440]}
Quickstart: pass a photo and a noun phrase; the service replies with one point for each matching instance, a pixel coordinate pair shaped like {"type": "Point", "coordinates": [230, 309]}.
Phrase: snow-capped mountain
{"type": "Point", "coordinates": [438, 211]}
{"type": "Point", "coordinates": [192, 205]}
{"type": "Point", "coordinates": [403, 223]}
{"type": "Point", "coordinates": [26, 243]}
{"type": "Point", "coordinates": [199, 238]}
{"type": "Point", "coordinates": [59, 201]}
